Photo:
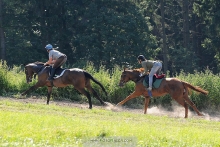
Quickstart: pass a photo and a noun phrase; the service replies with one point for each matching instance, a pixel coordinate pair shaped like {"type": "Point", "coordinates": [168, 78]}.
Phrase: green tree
{"type": "Point", "coordinates": [114, 32]}
{"type": "Point", "coordinates": [102, 32]}
{"type": "Point", "coordinates": [2, 36]}
{"type": "Point", "coordinates": [208, 17]}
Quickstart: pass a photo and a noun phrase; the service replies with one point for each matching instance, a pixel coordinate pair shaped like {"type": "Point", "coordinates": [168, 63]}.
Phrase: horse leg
{"type": "Point", "coordinates": [95, 94]}
{"type": "Point", "coordinates": [86, 93]}
{"type": "Point", "coordinates": [49, 91]}
{"type": "Point", "coordinates": [186, 109]}
{"type": "Point", "coordinates": [146, 102]}
{"type": "Point", "coordinates": [186, 98]}
{"type": "Point", "coordinates": [131, 96]}
{"type": "Point", "coordinates": [182, 102]}
{"type": "Point", "coordinates": [32, 88]}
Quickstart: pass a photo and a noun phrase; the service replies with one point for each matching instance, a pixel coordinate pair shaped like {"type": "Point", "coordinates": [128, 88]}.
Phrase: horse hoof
{"type": "Point", "coordinates": [104, 103]}
{"type": "Point", "coordinates": [200, 114]}
{"type": "Point", "coordinates": [118, 105]}
{"type": "Point", "coordinates": [109, 104]}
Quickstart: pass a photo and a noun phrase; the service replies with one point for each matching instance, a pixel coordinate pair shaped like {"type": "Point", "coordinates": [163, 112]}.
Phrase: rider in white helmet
{"type": "Point", "coordinates": [56, 59]}
{"type": "Point", "coordinates": [154, 67]}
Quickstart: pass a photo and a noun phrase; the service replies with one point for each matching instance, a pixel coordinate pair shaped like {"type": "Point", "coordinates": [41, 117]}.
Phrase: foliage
{"type": "Point", "coordinates": [112, 33]}
{"type": "Point", "coordinates": [102, 32]}
{"type": "Point", "coordinates": [14, 83]}
{"type": "Point", "coordinates": [3, 78]}
{"type": "Point", "coordinates": [208, 15]}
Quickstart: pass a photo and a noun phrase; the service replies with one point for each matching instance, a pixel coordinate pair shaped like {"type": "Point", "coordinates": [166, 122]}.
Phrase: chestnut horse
{"type": "Point", "coordinates": [177, 89]}
{"type": "Point", "coordinates": [79, 78]}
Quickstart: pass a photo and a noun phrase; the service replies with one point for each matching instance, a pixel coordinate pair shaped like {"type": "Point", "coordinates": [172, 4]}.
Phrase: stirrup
{"type": "Point", "coordinates": [51, 82]}
{"type": "Point", "coordinates": [50, 79]}
{"type": "Point", "coordinates": [149, 89]}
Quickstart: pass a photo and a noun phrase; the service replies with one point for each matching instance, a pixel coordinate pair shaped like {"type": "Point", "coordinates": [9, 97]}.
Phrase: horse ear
{"type": "Point", "coordinates": [125, 68]}
{"type": "Point", "coordinates": [24, 64]}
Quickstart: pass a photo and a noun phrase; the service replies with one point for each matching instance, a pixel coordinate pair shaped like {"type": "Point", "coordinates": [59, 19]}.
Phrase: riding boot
{"type": "Point", "coordinates": [52, 74]}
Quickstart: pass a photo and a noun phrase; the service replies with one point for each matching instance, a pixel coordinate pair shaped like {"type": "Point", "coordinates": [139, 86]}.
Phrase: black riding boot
{"type": "Point", "coordinates": [52, 74]}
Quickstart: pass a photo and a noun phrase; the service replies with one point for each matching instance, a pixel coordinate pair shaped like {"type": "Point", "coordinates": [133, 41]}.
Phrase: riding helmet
{"type": "Point", "coordinates": [49, 47]}
{"type": "Point", "coordinates": [141, 57]}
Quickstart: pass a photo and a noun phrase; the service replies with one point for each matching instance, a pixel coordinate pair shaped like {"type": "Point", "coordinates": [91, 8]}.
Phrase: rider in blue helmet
{"type": "Point", "coordinates": [154, 67]}
{"type": "Point", "coordinates": [56, 59]}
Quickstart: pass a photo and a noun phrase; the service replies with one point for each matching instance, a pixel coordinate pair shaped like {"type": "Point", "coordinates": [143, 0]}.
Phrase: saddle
{"type": "Point", "coordinates": [58, 72]}
{"type": "Point", "coordinates": [157, 79]}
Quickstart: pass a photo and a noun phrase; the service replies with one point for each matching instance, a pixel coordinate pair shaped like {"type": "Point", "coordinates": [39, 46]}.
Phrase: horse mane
{"type": "Point", "coordinates": [139, 69]}
{"type": "Point", "coordinates": [39, 63]}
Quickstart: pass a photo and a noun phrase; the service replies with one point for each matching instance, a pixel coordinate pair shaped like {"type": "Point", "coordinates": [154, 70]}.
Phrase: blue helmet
{"type": "Point", "coordinates": [141, 57]}
{"type": "Point", "coordinates": [49, 47]}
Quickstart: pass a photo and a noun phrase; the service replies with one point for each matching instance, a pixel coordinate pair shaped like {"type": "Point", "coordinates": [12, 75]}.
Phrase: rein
{"type": "Point", "coordinates": [36, 73]}
{"type": "Point", "coordinates": [39, 70]}
{"type": "Point", "coordinates": [136, 79]}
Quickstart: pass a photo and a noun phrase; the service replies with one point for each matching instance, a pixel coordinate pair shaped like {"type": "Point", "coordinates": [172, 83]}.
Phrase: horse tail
{"type": "Point", "coordinates": [196, 88]}
{"type": "Point", "coordinates": [94, 80]}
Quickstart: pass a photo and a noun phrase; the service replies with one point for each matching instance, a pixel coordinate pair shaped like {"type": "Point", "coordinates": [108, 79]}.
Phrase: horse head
{"type": "Point", "coordinates": [32, 69]}
{"type": "Point", "coordinates": [127, 75]}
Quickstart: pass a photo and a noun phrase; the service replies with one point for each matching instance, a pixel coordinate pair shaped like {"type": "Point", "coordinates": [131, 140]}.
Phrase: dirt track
{"type": "Point", "coordinates": [177, 113]}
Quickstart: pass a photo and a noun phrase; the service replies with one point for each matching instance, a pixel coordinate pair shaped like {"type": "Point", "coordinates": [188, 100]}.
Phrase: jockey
{"type": "Point", "coordinates": [56, 59]}
{"type": "Point", "coordinates": [154, 67]}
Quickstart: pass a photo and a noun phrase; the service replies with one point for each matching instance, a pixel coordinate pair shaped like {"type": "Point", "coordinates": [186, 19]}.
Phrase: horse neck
{"type": "Point", "coordinates": [37, 69]}
{"type": "Point", "coordinates": [135, 76]}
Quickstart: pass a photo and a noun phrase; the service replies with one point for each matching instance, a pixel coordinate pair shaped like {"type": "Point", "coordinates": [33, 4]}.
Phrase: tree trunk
{"type": "Point", "coordinates": [2, 36]}
{"type": "Point", "coordinates": [186, 24]}
{"type": "Point", "coordinates": [43, 30]}
{"type": "Point", "coordinates": [164, 37]}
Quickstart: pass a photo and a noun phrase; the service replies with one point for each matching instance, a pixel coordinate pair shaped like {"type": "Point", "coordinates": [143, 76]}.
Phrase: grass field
{"type": "Point", "coordinates": [36, 124]}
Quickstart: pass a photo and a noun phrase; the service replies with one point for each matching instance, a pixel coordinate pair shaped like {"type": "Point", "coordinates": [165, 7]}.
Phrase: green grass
{"type": "Point", "coordinates": [26, 124]}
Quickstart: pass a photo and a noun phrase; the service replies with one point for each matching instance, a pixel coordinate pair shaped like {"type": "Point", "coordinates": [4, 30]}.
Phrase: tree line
{"type": "Point", "coordinates": [184, 34]}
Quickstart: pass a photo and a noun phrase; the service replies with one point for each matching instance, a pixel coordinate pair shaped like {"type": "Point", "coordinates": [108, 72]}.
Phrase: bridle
{"type": "Point", "coordinates": [29, 77]}
{"type": "Point", "coordinates": [122, 81]}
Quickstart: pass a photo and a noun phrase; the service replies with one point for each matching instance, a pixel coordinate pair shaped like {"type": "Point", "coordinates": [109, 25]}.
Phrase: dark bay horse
{"type": "Point", "coordinates": [79, 78]}
{"type": "Point", "coordinates": [177, 89]}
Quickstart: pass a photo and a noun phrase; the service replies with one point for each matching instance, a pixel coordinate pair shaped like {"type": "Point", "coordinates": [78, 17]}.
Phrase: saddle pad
{"type": "Point", "coordinates": [58, 72]}
{"type": "Point", "coordinates": [57, 76]}
{"type": "Point", "coordinates": [156, 84]}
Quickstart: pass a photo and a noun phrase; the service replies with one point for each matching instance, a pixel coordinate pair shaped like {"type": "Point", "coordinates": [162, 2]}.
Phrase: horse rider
{"type": "Point", "coordinates": [56, 59]}
{"type": "Point", "coordinates": [154, 67]}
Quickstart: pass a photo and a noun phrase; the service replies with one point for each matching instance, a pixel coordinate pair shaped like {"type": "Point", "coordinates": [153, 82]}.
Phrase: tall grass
{"type": "Point", "coordinates": [13, 82]}
{"type": "Point", "coordinates": [208, 81]}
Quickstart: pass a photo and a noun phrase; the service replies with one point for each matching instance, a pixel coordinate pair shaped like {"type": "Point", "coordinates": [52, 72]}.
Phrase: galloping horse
{"type": "Point", "coordinates": [79, 78]}
{"type": "Point", "coordinates": [177, 89]}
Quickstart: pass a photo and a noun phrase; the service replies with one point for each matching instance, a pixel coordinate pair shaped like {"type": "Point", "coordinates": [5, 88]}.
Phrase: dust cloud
{"type": "Point", "coordinates": [177, 112]}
